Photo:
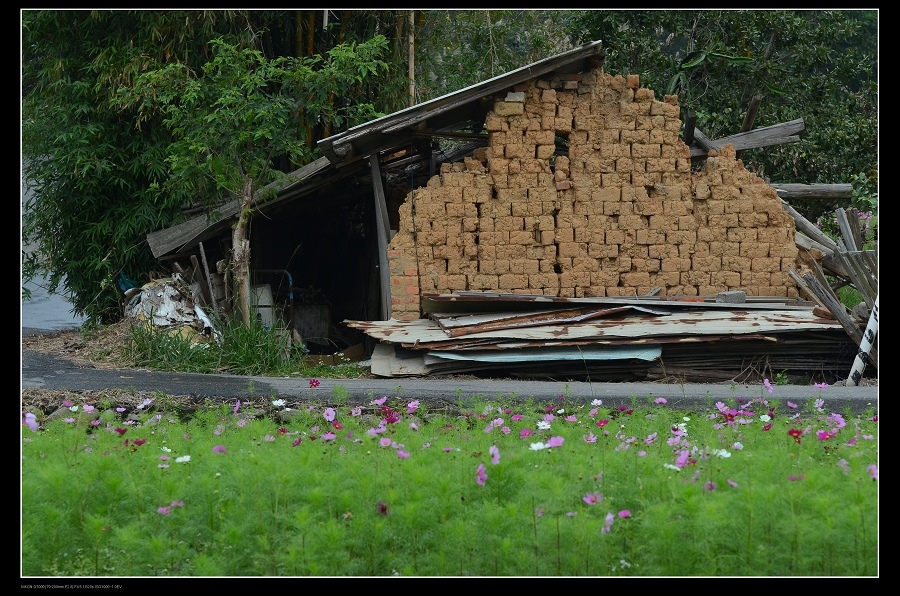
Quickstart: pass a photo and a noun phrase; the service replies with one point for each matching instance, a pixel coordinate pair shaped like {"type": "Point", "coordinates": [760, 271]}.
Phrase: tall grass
{"type": "Point", "coordinates": [746, 487]}
{"type": "Point", "coordinates": [239, 349]}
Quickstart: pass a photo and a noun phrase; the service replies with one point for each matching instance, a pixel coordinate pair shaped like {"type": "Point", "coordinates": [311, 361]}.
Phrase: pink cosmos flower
{"type": "Point", "coordinates": [382, 508]}
{"type": "Point", "coordinates": [602, 423]}
{"type": "Point", "coordinates": [67, 404]}
{"type": "Point", "coordinates": [590, 438]}
{"type": "Point", "coordinates": [710, 486]}
{"type": "Point", "coordinates": [68, 420]}
{"type": "Point", "coordinates": [624, 514]}
{"type": "Point", "coordinates": [413, 426]}
{"type": "Point", "coordinates": [873, 471]}
{"type": "Point", "coordinates": [296, 442]}
{"type": "Point", "coordinates": [88, 408]}
{"type": "Point", "coordinates": [732, 483]}
{"type": "Point", "coordinates": [329, 414]}
{"type": "Point", "coordinates": [412, 406]}
{"type": "Point", "coordinates": [385, 442]}
{"type": "Point", "coordinates": [820, 385]}
{"type": "Point", "coordinates": [592, 498]}
{"type": "Point", "coordinates": [164, 510]}
{"type": "Point", "coordinates": [30, 420]}
{"type": "Point", "coordinates": [328, 436]}
{"type": "Point", "coordinates": [525, 432]}
{"type": "Point", "coordinates": [555, 442]}
{"type": "Point", "coordinates": [495, 454]}
{"type": "Point", "coordinates": [402, 454]}
{"type": "Point", "coordinates": [607, 526]}
{"type": "Point", "coordinates": [792, 405]}
{"type": "Point", "coordinates": [314, 383]}
{"type": "Point", "coordinates": [505, 430]}
{"type": "Point", "coordinates": [516, 417]}
{"type": "Point", "coordinates": [481, 475]}
{"type": "Point", "coordinates": [768, 385]}
{"type": "Point", "coordinates": [218, 449]}
{"type": "Point", "coordinates": [661, 401]}
{"type": "Point", "coordinates": [378, 402]}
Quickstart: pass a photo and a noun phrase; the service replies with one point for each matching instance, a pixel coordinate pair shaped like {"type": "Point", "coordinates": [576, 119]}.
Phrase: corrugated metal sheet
{"type": "Point", "coordinates": [457, 325]}
{"type": "Point", "coordinates": [543, 355]}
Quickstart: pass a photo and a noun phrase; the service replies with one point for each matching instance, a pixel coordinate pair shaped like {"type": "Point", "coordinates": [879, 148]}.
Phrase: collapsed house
{"type": "Point", "coordinates": [550, 222]}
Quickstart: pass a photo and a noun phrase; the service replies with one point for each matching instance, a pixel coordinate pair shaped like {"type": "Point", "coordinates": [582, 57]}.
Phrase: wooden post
{"type": "Point", "coordinates": [212, 292]}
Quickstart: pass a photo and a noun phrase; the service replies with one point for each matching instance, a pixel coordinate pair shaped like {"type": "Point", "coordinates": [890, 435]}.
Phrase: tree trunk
{"type": "Point", "coordinates": [240, 253]}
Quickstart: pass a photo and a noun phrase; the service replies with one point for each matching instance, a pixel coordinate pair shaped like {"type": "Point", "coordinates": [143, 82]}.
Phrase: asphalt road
{"type": "Point", "coordinates": [48, 372]}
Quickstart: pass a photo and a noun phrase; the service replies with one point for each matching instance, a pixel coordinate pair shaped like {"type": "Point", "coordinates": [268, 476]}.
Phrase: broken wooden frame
{"type": "Point", "coordinates": [848, 263]}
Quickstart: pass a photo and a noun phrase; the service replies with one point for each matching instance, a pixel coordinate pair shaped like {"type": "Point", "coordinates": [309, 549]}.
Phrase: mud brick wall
{"type": "Point", "coordinates": [621, 214]}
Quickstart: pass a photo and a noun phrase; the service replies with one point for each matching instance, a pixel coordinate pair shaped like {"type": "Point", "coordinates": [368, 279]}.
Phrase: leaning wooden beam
{"type": "Point", "coordinates": [808, 228]}
{"type": "Point", "coordinates": [825, 192]}
{"type": "Point", "coordinates": [778, 134]}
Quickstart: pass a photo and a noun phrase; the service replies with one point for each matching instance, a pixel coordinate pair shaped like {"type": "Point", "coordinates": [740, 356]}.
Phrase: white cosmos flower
{"type": "Point", "coordinates": [543, 425]}
{"type": "Point", "coordinates": [183, 459]}
{"type": "Point", "coordinates": [722, 453]}
{"type": "Point", "coordinates": [765, 418]}
{"type": "Point", "coordinates": [597, 402]}
{"type": "Point", "coordinates": [538, 446]}
{"type": "Point", "coordinates": [672, 467]}
{"type": "Point", "coordinates": [278, 403]}
{"type": "Point", "coordinates": [166, 449]}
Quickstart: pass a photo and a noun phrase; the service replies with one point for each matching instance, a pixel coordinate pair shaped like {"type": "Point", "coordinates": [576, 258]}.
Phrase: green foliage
{"type": "Point", "coordinates": [95, 178]}
{"type": "Point", "coordinates": [241, 109]}
{"type": "Point", "coordinates": [459, 48]}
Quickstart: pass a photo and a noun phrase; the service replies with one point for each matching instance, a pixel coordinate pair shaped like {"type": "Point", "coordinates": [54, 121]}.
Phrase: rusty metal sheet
{"type": "Point", "coordinates": [489, 301]}
{"type": "Point", "coordinates": [457, 325]}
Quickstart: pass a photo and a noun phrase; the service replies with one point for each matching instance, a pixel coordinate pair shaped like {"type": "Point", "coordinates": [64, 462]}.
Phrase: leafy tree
{"type": "Point", "coordinates": [97, 179]}
{"type": "Point", "coordinates": [93, 174]}
{"type": "Point", "coordinates": [232, 117]}
{"type": "Point", "coordinates": [459, 48]}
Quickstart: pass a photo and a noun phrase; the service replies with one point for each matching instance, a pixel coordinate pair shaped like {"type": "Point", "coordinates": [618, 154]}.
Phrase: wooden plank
{"type": "Point", "coordinates": [777, 134]}
{"type": "Point", "coordinates": [829, 192]}
{"type": "Point", "coordinates": [808, 228]}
